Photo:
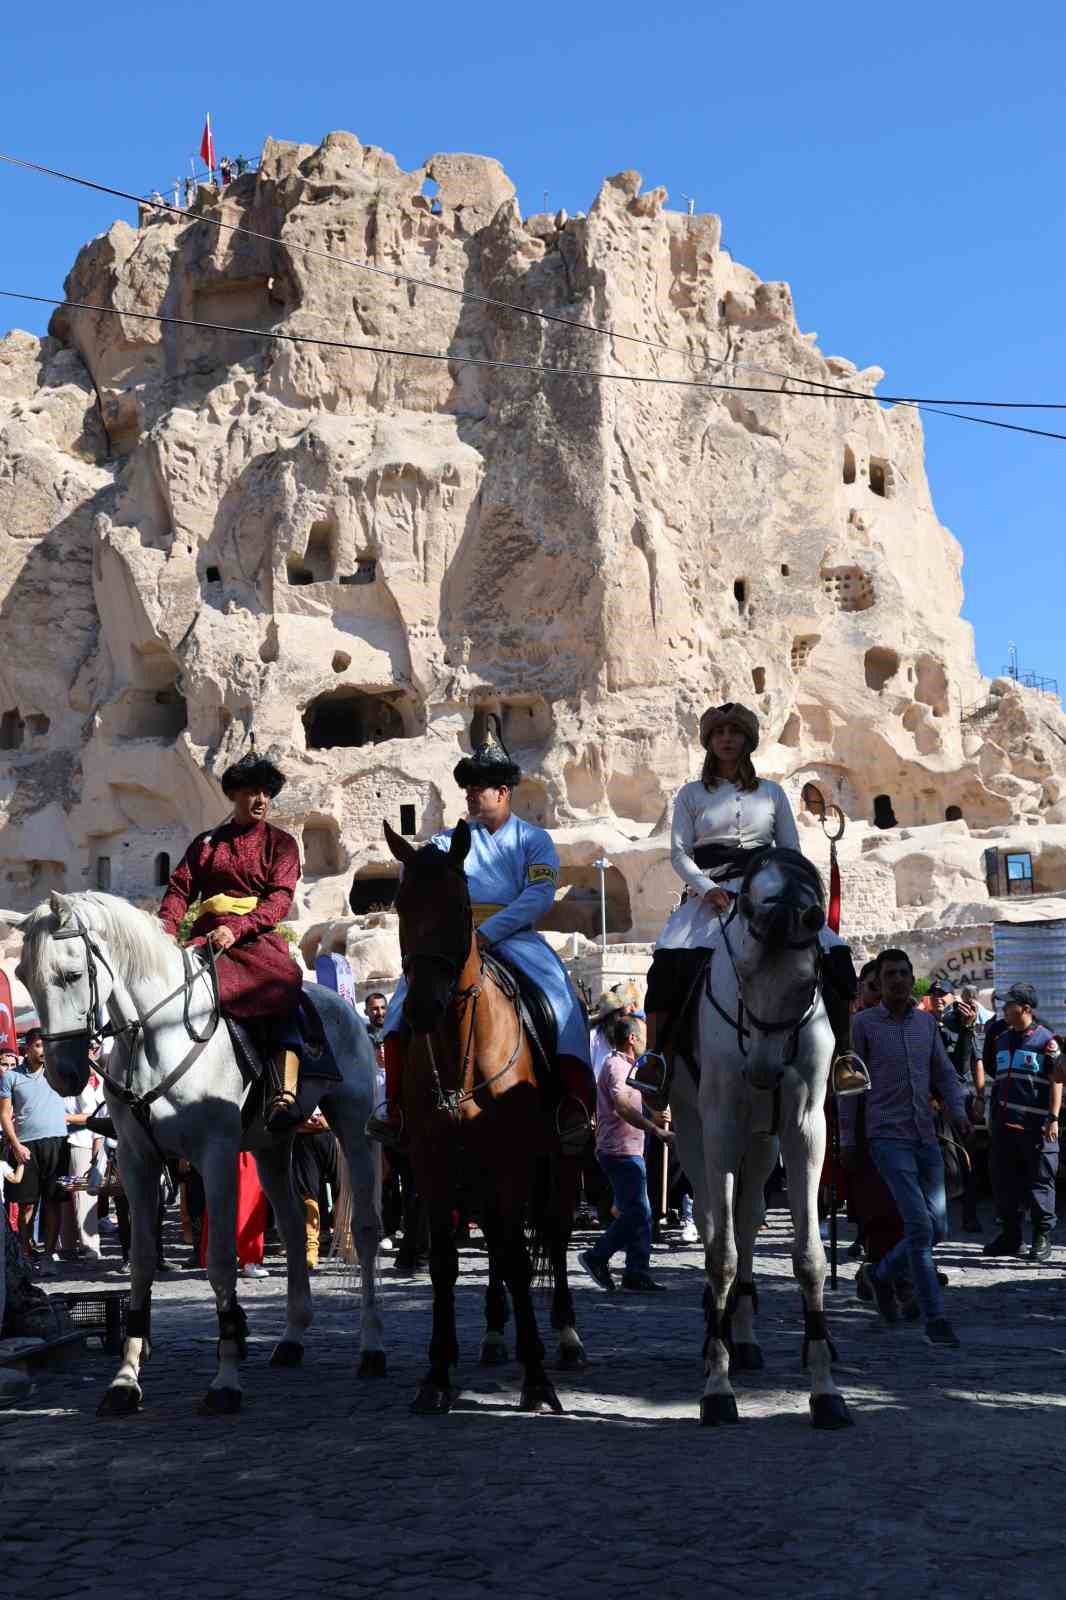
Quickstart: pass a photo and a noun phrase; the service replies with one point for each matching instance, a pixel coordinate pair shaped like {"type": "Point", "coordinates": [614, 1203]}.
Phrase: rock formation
{"type": "Point", "coordinates": [357, 553]}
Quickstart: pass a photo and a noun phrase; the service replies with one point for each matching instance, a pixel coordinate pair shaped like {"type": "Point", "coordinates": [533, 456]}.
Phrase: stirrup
{"type": "Point", "coordinates": [381, 1127]}
{"type": "Point", "coordinates": [575, 1134]}
{"type": "Point", "coordinates": [651, 1075]}
{"type": "Point", "coordinates": [282, 1112]}
{"type": "Point", "coordinates": [853, 1074]}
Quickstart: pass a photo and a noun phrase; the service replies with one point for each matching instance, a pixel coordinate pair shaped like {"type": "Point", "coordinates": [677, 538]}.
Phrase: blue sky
{"type": "Point", "coordinates": [902, 167]}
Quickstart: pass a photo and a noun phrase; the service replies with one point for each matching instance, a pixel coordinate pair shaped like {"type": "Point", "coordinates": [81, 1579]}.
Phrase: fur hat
{"type": "Point", "coordinates": [490, 767]}
{"type": "Point", "coordinates": [253, 771]}
{"type": "Point", "coordinates": [740, 716]}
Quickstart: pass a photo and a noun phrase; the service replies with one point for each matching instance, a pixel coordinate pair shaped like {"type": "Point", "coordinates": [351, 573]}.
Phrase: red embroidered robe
{"type": "Point", "coordinates": [257, 976]}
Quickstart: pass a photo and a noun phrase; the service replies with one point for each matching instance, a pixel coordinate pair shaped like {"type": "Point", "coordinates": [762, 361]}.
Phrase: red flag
{"type": "Point", "coordinates": [207, 145]}
{"type": "Point", "coordinates": [7, 1015]}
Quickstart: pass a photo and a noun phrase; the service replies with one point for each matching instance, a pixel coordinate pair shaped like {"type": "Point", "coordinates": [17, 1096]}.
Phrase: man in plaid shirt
{"type": "Point", "coordinates": [907, 1064]}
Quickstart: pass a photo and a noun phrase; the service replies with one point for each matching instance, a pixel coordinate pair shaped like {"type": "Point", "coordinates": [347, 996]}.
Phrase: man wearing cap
{"type": "Point", "coordinates": [721, 822]}
{"type": "Point", "coordinates": [1023, 1059]}
{"type": "Point", "coordinates": [512, 870]}
{"type": "Point", "coordinates": [621, 1000]}
{"type": "Point", "coordinates": [243, 875]}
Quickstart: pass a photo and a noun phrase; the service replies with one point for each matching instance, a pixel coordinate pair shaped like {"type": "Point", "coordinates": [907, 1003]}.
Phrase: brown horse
{"type": "Point", "coordinates": [475, 1121]}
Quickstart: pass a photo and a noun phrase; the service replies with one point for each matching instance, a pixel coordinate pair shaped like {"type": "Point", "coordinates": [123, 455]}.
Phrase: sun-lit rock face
{"type": "Point", "coordinates": [358, 554]}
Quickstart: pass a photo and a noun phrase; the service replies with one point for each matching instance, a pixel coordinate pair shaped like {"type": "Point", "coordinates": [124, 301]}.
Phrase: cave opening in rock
{"type": "Point", "coordinates": [884, 816]}
{"type": "Point", "coordinates": [879, 476]}
{"type": "Point", "coordinates": [849, 464]}
{"type": "Point", "coordinates": [12, 730]}
{"type": "Point", "coordinates": [953, 814]}
{"type": "Point", "coordinates": [740, 592]}
{"type": "Point", "coordinates": [322, 853]}
{"type": "Point", "coordinates": [408, 821]}
{"type": "Point", "coordinates": [162, 869]}
{"type": "Point", "coordinates": [212, 575]}
{"type": "Point", "coordinates": [103, 874]}
{"type": "Point", "coordinates": [373, 890]}
{"type": "Point", "coordinates": [758, 679]}
{"type": "Point", "coordinates": [881, 664]}
{"type": "Point", "coordinates": [349, 717]}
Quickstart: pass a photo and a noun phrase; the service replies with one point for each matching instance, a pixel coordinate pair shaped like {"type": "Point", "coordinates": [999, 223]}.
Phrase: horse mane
{"type": "Point", "coordinates": [135, 940]}
{"type": "Point", "coordinates": [793, 861]}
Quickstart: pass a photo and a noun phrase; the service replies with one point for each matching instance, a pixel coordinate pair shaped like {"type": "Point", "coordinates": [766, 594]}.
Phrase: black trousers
{"type": "Point", "coordinates": [314, 1164]}
{"type": "Point", "coordinates": [1024, 1168]}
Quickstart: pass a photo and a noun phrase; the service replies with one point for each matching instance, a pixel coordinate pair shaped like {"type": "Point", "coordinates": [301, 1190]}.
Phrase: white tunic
{"type": "Point", "coordinates": [725, 815]}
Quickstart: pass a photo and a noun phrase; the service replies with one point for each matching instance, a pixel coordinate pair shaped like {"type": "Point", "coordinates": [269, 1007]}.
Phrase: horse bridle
{"type": "Point", "coordinates": [451, 1100]}
{"type": "Point", "coordinates": [139, 1104]}
{"type": "Point", "coordinates": [791, 1025]}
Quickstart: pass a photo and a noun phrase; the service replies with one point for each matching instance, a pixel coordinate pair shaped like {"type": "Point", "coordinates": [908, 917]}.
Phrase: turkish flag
{"type": "Point", "coordinates": [207, 145]}
{"type": "Point", "coordinates": [7, 1015]}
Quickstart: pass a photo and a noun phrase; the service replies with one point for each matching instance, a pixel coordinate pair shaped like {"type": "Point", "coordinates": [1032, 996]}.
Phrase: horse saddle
{"type": "Point", "coordinates": [537, 1016]}
{"type": "Point", "coordinates": [255, 1043]}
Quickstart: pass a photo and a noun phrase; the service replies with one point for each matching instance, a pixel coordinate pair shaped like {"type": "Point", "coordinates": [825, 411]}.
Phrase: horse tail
{"type": "Point", "coordinates": [550, 1217]}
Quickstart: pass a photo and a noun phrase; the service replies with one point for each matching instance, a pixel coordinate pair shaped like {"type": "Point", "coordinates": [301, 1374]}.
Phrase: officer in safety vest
{"type": "Point", "coordinates": [512, 870]}
{"type": "Point", "coordinates": [1023, 1059]}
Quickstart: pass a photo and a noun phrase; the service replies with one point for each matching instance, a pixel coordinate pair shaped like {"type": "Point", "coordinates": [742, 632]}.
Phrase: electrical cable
{"type": "Point", "coordinates": [473, 296]}
{"type": "Point", "coordinates": [496, 362]}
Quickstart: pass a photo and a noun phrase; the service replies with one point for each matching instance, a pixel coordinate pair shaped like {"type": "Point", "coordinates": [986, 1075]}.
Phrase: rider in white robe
{"type": "Point", "coordinates": [719, 826]}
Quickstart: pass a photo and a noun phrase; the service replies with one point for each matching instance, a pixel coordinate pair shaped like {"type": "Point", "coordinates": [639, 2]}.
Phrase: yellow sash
{"type": "Point", "coordinates": [483, 913]}
{"type": "Point", "coordinates": [229, 905]}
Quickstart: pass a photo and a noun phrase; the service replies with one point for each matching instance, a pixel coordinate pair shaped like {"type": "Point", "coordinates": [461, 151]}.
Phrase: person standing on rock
{"type": "Point", "coordinates": [721, 822]}
{"type": "Point", "coordinates": [242, 877]}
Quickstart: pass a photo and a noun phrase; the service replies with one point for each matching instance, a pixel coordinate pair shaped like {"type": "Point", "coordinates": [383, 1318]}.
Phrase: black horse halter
{"type": "Point", "coordinates": [791, 1025]}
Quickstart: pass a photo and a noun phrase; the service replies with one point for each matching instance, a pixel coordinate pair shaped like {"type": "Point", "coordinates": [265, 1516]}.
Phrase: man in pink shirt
{"type": "Point", "coordinates": [621, 1128]}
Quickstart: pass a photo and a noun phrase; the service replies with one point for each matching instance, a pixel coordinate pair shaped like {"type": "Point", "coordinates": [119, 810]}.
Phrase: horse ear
{"type": "Point", "coordinates": [62, 907]}
{"type": "Point", "coordinates": [13, 919]}
{"type": "Point", "coordinates": [401, 849]}
{"type": "Point", "coordinates": [459, 848]}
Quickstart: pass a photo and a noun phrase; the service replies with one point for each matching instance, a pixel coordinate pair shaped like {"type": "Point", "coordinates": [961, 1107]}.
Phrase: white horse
{"type": "Point", "coordinates": [764, 1048]}
{"type": "Point", "coordinates": [174, 1087]}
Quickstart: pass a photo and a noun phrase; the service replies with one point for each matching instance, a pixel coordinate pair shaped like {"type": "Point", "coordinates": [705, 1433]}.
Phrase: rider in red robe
{"type": "Point", "coordinates": [243, 874]}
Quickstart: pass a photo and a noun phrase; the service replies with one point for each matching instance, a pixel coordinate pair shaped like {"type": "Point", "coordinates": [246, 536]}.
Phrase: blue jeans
{"type": "Point", "coordinates": [631, 1229]}
{"type": "Point", "coordinates": [914, 1173]}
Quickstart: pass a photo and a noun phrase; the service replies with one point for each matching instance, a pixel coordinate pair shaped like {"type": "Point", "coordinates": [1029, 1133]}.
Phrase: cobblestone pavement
{"type": "Point", "coordinates": [325, 1485]}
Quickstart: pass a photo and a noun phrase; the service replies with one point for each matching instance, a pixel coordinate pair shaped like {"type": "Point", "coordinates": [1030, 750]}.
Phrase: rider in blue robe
{"type": "Point", "coordinates": [512, 870]}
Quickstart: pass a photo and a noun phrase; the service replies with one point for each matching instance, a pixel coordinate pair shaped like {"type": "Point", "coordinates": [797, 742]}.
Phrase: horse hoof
{"type": "Point", "coordinates": [494, 1353]}
{"type": "Point", "coordinates": [121, 1400]}
{"type": "Point", "coordinates": [572, 1358]}
{"type": "Point", "coordinates": [433, 1401]}
{"type": "Point", "coordinates": [222, 1402]}
{"type": "Point", "coordinates": [287, 1354]}
{"type": "Point", "coordinates": [746, 1358]}
{"type": "Point", "coordinates": [718, 1408]}
{"type": "Point", "coordinates": [371, 1364]}
{"type": "Point", "coordinates": [830, 1411]}
{"type": "Point", "coordinates": [537, 1396]}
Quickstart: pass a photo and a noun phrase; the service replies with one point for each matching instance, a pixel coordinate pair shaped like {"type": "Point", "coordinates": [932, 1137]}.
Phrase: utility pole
{"type": "Point", "coordinates": [601, 867]}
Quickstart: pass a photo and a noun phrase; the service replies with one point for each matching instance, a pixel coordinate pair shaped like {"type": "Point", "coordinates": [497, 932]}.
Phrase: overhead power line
{"type": "Point", "coordinates": [475, 297]}
{"type": "Point", "coordinates": [451, 358]}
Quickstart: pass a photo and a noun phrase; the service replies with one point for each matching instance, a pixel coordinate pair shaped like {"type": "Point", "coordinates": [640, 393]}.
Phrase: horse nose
{"type": "Point", "coordinates": [764, 1079]}
{"type": "Point", "coordinates": [813, 919]}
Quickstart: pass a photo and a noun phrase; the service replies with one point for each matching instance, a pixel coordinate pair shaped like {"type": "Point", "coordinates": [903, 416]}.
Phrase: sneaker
{"type": "Point", "coordinates": [690, 1234]}
{"type": "Point", "coordinates": [598, 1271]}
{"type": "Point", "coordinates": [48, 1267]}
{"type": "Point", "coordinates": [641, 1283]}
{"type": "Point", "coordinates": [387, 1247]}
{"type": "Point", "coordinates": [251, 1269]}
{"type": "Point", "coordinates": [938, 1331]}
{"type": "Point", "coordinates": [1040, 1249]}
{"type": "Point", "coordinates": [883, 1294]}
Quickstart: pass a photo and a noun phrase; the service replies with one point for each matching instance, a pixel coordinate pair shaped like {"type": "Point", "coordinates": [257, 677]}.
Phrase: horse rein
{"type": "Point", "coordinates": [452, 1100]}
{"type": "Point", "coordinates": [792, 1025]}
